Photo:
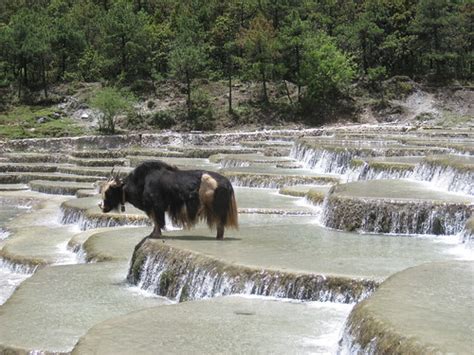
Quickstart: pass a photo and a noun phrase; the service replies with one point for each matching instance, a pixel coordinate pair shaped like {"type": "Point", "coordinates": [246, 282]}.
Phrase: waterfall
{"type": "Point", "coordinates": [274, 181]}
{"type": "Point", "coordinates": [378, 171]}
{"type": "Point", "coordinates": [467, 234]}
{"type": "Point", "coordinates": [47, 188]}
{"type": "Point", "coordinates": [397, 217]}
{"type": "Point", "coordinates": [87, 221]}
{"type": "Point", "coordinates": [337, 160]}
{"type": "Point", "coordinates": [323, 160]}
{"type": "Point", "coordinates": [445, 177]}
{"type": "Point", "coordinates": [183, 275]}
{"type": "Point", "coordinates": [17, 268]}
{"type": "Point", "coordinates": [234, 163]}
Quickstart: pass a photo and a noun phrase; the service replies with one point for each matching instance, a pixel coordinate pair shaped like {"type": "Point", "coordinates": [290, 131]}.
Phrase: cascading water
{"type": "Point", "coordinates": [182, 275]}
{"type": "Point", "coordinates": [11, 273]}
{"type": "Point", "coordinates": [395, 217]}
{"type": "Point", "coordinates": [323, 160]}
{"type": "Point", "coordinates": [368, 172]}
{"type": "Point", "coordinates": [445, 177]}
{"type": "Point", "coordinates": [234, 163]}
{"type": "Point", "coordinates": [338, 161]}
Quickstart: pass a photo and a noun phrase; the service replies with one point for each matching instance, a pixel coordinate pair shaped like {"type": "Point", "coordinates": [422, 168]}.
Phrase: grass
{"type": "Point", "coordinates": [450, 120]}
{"type": "Point", "coordinates": [21, 122]}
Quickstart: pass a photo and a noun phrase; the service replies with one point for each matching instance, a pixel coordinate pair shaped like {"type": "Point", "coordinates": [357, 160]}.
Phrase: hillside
{"type": "Point", "coordinates": [175, 64]}
{"type": "Point", "coordinates": [69, 111]}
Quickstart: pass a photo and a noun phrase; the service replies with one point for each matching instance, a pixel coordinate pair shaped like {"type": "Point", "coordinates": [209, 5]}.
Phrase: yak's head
{"type": "Point", "coordinates": [112, 194]}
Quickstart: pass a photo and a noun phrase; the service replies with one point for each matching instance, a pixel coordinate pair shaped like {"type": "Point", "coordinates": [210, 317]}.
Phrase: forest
{"type": "Point", "coordinates": [320, 47]}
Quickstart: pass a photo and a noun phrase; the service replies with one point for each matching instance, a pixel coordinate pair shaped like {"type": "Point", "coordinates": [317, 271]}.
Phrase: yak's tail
{"type": "Point", "coordinates": [224, 208]}
{"type": "Point", "coordinates": [232, 220]}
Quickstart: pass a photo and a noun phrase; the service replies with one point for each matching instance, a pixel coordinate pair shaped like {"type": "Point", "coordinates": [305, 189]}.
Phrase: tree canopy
{"type": "Point", "coordinates": [321, 44]}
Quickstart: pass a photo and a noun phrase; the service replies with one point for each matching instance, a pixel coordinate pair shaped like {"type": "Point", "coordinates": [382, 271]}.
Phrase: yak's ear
{"type": "Point", "coordinates": [118, 182]}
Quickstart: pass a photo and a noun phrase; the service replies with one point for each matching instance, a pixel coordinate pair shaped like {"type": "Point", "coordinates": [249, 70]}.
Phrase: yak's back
{"type": "Point", "coordinates": [139, 174]}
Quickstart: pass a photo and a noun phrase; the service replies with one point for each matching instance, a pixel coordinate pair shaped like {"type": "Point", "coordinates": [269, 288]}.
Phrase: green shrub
{"type": "Point", "coordinates": [202, 115]}
{"type": "Point", "coordinates": [136, 121]}
{"type": "Point", "coordinates": [163, 119]}
{"type": "Point", "coordinates": [140, 86]}
{"type": "Point", "coordinates": [111, 102]}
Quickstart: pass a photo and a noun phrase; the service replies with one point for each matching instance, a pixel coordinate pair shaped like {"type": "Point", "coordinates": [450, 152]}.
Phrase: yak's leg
{"type": "Point", "coordinates": [158, 218]}
{"type": "Point", "coordinates": [220, 232]}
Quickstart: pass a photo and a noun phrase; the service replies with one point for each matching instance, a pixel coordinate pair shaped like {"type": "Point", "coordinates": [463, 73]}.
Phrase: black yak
{"type": "Point", "coordinates": [187, 195]}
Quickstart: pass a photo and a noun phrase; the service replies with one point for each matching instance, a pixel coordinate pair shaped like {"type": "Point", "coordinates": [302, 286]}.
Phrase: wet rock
{"type": "Point", "coordinates": [363, 207]}
{"type": "Point", "coordinates": [275, 180]}
{"type": "Point", "coordinates": [433, 317]}
{"type": "Point", "coordinates": [184, 275]}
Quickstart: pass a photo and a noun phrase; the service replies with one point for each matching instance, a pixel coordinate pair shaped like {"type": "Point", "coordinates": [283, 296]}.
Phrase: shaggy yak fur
{"type": "Point", "coordinates": [187, 195]}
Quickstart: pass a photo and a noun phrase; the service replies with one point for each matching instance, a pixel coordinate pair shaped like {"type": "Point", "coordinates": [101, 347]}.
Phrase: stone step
{"type": "Point", "coordinates": [240, 160]}
{"type": "Point", "coordinates": [270, 246]}
{"type": "Point", "coordinates": [47, 157]}
{"type": "Point", "coordinates": [98, 154]}
{"type": "Point", "coordinates": [103, 172]}
{"type": "Point", "coordinates": [73, 298]}
{"type": "Point", "coordinates": [425, 309]}
{"type": "Point", "coordinates": [261, 180]}
{"type": "Point", "coordinates": [13, 187]}
{"type": "Point", "coordinates": [396, 206]}
{"type": "Point", "coordinates": [245, 325]}
{"type": "Point", "coordinates": [37, 247]}
{"type": "Point", "coordinates": [37, 238]}
{"type": "Point", "coordinates": [30, 167]}
{"type": "Point", "coordinates": [182, 163]}
{"type": "Point", "coordinates": [59, 187]}
{"type": "Point", "coordinates": [312, 193]}
{"type": "Point", "coordinates": [15, 178]}
{"type": "Point", "coordinates": [99, 162]}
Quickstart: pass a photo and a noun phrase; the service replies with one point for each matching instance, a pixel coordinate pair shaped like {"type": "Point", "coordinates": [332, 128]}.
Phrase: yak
{"type": "Point", "coordinates": [188, 196]}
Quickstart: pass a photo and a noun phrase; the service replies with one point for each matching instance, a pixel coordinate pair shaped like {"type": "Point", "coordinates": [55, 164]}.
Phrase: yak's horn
{"type": "Point", "coordinates": [111, 177]}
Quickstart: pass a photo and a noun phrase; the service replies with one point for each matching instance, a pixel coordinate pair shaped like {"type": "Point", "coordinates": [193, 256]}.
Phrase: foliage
{"type": "Point", "coordinates": [125, 41]}
{"type": "Point", "coordinates": [260, 48]}
{"type": "Point", "coordinates": [133, 43]}
{"type": "Point", "coordinates": [202, 115]}
{"type": "Point", "coordinates": [24, 122]}
{"type": "Point", "coordinates": [163, 119]}
{"type": "Point", "coordinates": [188, 56]}
{"type": "Point", "coordinates": [111, 102]}
{"type": "Point", "coordinates": [327, 72]}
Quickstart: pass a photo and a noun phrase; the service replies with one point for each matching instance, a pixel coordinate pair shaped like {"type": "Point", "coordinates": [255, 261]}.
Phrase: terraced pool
{"type": "Point", "coordinates": [337, 218]}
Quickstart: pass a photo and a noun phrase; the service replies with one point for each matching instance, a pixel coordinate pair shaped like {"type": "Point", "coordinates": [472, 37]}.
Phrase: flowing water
{"type": "Point", "coordinates": [10, 277]}
{"type": "Point", "coordinates": [285, 282]}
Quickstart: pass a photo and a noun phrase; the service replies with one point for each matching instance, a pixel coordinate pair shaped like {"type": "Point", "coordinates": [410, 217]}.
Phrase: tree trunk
{"type": "Point", "coordinates": [43, 77]}
{"type": "Point", "coordinates": [124, 59]}
{"type": "Point", "coordinates": [230, 85]}
{"type": "Point", "coordinates": [63, 64]}
{"type": "Point", "coordinates": [19, 85]}
{"type": "Point", "coordinates": [288, 92]}
{"type": "Point", "coordinates": [298, 68]}
{"type": "Point", "coordinates": [112, 126]}
{"type": "Point", "coordinates": [264, 83]}
{"type": "Point", "coordinates": [188, 85]}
